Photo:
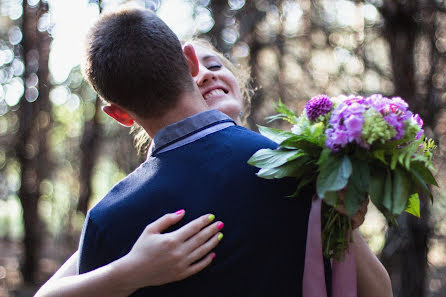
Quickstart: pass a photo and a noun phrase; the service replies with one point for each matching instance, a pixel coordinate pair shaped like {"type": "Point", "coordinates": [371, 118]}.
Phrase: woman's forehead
{"type": "Point", "coordinates": [205, 54]}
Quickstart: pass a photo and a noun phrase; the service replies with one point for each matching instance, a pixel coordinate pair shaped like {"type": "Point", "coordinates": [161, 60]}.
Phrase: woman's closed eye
{"type": "Point", "coordinates": [214, 67]}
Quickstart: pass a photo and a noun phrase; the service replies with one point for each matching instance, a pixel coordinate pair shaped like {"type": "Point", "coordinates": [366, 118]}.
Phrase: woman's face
{"type": "Point", "coordinates": [217, 84]}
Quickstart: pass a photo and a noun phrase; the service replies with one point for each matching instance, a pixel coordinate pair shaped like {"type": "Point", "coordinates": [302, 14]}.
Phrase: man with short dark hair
{"type": "Point", "coordinates": [136, 63]}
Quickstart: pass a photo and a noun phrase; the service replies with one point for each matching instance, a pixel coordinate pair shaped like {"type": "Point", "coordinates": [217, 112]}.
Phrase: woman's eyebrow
{"type": "Point", "coordinates": [209, 57]}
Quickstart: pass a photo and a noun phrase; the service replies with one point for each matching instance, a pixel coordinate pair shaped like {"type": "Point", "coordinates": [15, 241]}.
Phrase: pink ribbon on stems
{"type": "Point", "coordinates": [343, 272]}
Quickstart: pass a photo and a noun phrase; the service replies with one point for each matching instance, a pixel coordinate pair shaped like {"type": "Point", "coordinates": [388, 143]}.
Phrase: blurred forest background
{"type": "Point", "coordinates": [59, 153]}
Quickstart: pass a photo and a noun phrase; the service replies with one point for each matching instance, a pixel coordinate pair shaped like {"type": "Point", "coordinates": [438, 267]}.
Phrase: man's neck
{"type": "Point", "coordinates": [188, 105]}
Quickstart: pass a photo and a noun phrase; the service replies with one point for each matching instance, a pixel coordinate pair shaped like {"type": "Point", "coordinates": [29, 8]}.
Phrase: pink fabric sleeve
{"type": "Point", "coordinates": [343, 272]}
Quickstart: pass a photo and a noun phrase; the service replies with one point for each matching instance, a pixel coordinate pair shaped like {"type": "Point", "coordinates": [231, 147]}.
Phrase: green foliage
{"type": "Point", "coordinates": [284, 113]}
{"type": "Point", "coordinates": [376, 128]}
{"type": "Point", "coordinates": [291, 168]}
{"type": "Point", "coordinates": [333, 175]}
{"type": "Point", "coordinates": [275, 135]}
{"type": "Point", "coordinates": [413, 205]}
{"type": "Point", "coordinates": [358, 186]}
{"type": "Point", "coordinates": [268, 158]}
{"type": "Point", "coordinates": [401, 190]}
{"type": "Point", "coordinates": [391, 172]}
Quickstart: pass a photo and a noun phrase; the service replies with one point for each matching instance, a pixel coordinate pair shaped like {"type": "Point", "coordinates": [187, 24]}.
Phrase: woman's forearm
{"type": "Point", "coordinates": [110, 280]}
{"type": "Point", "coordinates": [373, 279]}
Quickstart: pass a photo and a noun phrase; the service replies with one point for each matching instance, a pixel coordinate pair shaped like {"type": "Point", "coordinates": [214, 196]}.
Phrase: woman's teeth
{"type": "Point", "coordinates": [214, 93]}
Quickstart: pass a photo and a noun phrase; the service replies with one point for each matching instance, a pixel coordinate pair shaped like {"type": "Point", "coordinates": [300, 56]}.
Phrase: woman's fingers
{"type": "Point", "coordinates": [193, 227]}
{"type": "Point", "coordinates": [203, 236]}
{"type": "Point", "coordinates": [165, 221]}
{"type": "Point", "coordinates": [359, 217]}
{"type": "Point", "coordinates": [205, 248]}
{"type": "Point", "coordinates": [198, 266]}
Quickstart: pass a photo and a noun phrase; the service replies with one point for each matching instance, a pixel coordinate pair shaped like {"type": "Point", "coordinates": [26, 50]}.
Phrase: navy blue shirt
{"type": "Point", "coordinates": [263, 251]}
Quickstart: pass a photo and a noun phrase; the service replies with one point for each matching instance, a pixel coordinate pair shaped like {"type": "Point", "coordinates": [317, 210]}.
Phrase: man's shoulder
{"type": "Point", "coordinates": [244, 136]}
{"type": "Point", "coordinates": [117, 199]}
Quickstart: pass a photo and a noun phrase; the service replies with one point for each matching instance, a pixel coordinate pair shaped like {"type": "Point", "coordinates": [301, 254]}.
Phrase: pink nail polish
{"type": "Point", "coordinates": [220, 225]}
{"type": "Point", "coordinates": [178, 212]}
{"type": "Point", "coordinates": [213, 256]}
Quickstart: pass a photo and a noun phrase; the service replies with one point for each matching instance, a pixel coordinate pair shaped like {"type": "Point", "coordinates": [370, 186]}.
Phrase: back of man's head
{"type": "Point", "coordinates": [134, 60]}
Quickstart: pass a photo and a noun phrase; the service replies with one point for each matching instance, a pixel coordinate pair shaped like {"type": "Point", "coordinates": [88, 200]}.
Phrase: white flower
{"type": "Point", "coordinates": [296, 129]}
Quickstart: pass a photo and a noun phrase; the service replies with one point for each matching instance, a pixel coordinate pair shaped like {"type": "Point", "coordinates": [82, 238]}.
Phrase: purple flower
{"type": "Point", "coordinates": [394, 111]}
{"type": "Point", "coordinates": [419, 134]}
{"type": "Point", "coordinates": [354, 125]}
{"type": "Point", "coordinates": [400, 103]}
{"type": "Point", "coordinates": [346, 124]}
{"type": "Point", "coordinates": [397, 123]}
{"type": "Point", "coordinates": [317, 106]}
{"type": "Point", "coordinates": [418, 120]}
{"type": "Point", "coordinates": [420, 123]}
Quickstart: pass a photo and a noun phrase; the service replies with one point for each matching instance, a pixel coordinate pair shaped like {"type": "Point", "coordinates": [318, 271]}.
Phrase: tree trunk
{"type": "Point", "coordinates": [281, 52]}
{"type": "Point", "coordinates": [89, 149]}
{"type": "Point", "coordinates": [258, 98]}
{"type": "Point", "coordinates": [249, 16]}
{"type": "Point", "coordinates": [405, 250]}
{"type": "Point", "coordinates": [31, 140]}
{"type": "Point", "coordinates": [219, 10]}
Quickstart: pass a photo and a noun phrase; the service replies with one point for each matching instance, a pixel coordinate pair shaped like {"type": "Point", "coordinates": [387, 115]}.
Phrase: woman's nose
{"type": "Point", "coordinates": [204, 76]}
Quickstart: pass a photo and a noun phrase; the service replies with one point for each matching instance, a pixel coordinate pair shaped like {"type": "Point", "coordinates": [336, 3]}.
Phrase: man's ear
{"type": "Point", "coordinates": [191, 58]}
{"type": "Point", "coordinates": [119, 114]}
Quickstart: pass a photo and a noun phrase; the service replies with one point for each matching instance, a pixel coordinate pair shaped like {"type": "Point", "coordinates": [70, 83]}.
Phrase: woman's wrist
{"type": "Point", "coordinates": [121, 272]}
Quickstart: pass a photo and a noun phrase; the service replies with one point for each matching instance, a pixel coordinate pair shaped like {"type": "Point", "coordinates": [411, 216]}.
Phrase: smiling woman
{"type": "Point", "coordinates": [223, 85]}
{"type": "Point", "coordinates": [217, 84]}
{"type": "Point", "coordinates": [241, 74]}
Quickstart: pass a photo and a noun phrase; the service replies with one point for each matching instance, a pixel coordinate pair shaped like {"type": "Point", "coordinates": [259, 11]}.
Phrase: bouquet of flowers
{"type": "Point", "coordinates": [373, 146]}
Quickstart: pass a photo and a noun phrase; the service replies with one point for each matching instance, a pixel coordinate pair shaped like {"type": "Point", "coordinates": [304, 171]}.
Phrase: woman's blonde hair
{"type": "Point", "coordinates": [242, 74]}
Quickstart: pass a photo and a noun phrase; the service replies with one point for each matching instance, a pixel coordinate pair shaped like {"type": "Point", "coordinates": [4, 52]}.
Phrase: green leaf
{"type": "Point", "coordinates": [285, 114]}
{"type": "Point", "coordinates": [377, 189]}
{"type": "Point", "coordinates": [424, 173]}
{"type": "Point", "coordinates": [331, 198]}
{"type": "Point", "coordinates": [407, 161]}
{"type": "Point", "coordinates": [303, 143]}
{"type": "Point", "coordinates": [401, 158]}
{"type": "Point", "coordinates": [421, 184]}
{"type": "Point", "coordinates": [325, 154]}
{"type": "Point", "coordinates": [268, 158]}
{"type": "Point", "coordinates": [352, 200]}
{"type": "Point", "coordinates": [333, 175]}
{"type": "Point", "coordinates": [379, 154]}
{"type": "Point", "coordinates": [413, 205]}
{"type": "Point", "coordinates": [377, 185]}
{"type": "Point", "coordinates": [291, 169]}
{"type": "Point", "coordinates": [282, 108]}
{"type": "Point", "coordinates": [275, 135]}
{"type": "Point", "coordinates": [358, 186]}
{"type": "Point", "coordinates": [394, 159]}
{"type": "Point", "coordinates": [317, 129]}
{"type": "Point", "coordinates": [361, 174]}
{"type": "Point", "coordinates": [387, 193]}
{"type": "Point", "coordinates": [421, 175]}
{"type": "Point", "coordinates": [302, 183]}
{"type": "Point", "coordinates": [401, 188]}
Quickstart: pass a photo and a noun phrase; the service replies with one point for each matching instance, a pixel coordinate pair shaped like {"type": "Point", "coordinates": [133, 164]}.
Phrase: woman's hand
{"type": "Point", "coordinates": [358, 218]}
{"type": "Point", "coordinates": [158, 258]}
{"type": "Point", "coordinates": [155, 259]}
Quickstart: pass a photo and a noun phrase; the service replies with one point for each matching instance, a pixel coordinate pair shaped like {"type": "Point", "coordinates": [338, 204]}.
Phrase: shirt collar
{"type": "Point", "coordinates": [184, 128]}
